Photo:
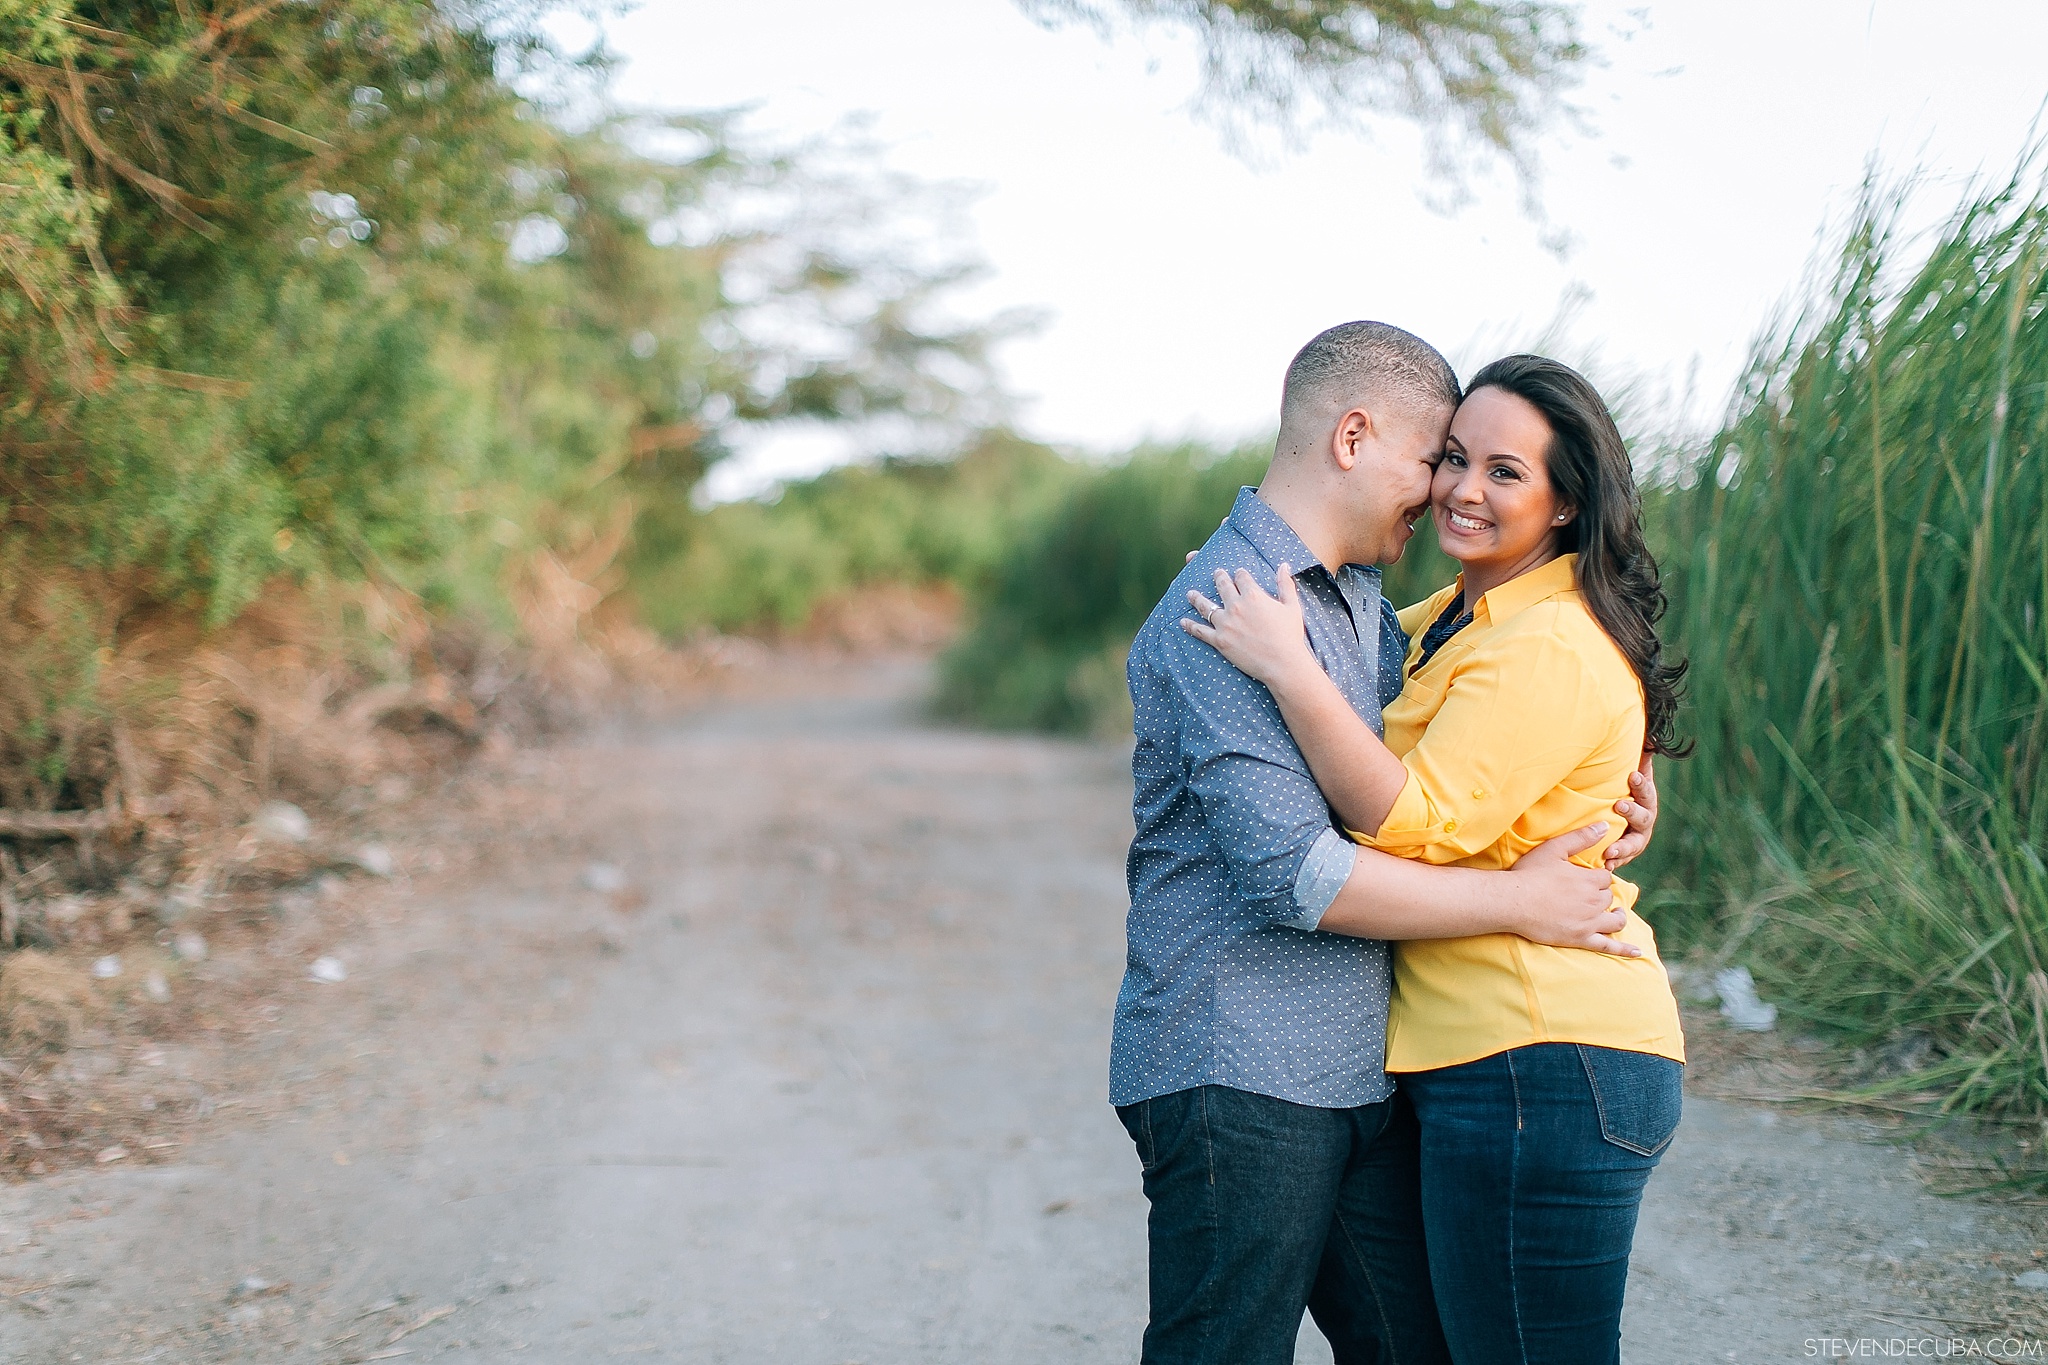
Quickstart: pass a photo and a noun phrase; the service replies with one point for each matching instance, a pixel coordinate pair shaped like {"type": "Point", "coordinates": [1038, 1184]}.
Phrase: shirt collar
{"type": "Point", "coordinates": [1276, 541]}
{"type": "Point", "coordinates": [1516, 595]}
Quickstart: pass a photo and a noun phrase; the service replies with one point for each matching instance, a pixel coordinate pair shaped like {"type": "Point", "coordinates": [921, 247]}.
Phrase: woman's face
{"type": "Point", "coordinates": [1492, 498]}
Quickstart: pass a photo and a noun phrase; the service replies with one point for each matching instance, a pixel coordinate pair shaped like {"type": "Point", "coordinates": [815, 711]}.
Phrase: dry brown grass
{"type": "Point", "coordinates": [164, 735]}
{"type": "Point", "coordinates": [44, 1003]}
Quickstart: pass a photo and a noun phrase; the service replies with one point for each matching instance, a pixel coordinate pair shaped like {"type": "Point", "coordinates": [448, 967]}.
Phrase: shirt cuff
{"type": "Point", "coordinates": [1412, 822]}
{"type": "Point", "coordinates": [1323, 874]}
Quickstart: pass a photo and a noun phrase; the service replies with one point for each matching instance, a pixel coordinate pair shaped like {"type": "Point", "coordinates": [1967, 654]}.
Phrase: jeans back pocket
{"type": "Point", "coordinates": [1637, 1094]}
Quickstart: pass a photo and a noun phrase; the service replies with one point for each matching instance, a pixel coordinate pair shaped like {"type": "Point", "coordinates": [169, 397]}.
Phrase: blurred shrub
{"type": "Point", "coordinates": [1047, 631]}
{"type": "Point", "coordinates": [752, 564]}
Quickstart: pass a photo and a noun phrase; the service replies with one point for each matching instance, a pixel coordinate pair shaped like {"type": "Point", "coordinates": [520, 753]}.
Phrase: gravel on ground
{"type": "Point", "coordinates": [774, 1031]}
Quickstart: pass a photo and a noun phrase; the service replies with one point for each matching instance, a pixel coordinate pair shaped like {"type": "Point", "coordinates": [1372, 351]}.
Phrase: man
{"type": "Point", "coordinates": [1251, 1028]}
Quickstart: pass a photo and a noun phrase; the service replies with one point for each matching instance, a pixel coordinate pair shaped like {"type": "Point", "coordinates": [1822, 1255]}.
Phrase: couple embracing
{"type": "Point", "coordinates": [1392, 1043]}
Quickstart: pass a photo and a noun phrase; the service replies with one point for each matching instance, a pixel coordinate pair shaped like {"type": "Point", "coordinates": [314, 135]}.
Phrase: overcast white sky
{"type": "Point", "coordinates": [1177, 280]}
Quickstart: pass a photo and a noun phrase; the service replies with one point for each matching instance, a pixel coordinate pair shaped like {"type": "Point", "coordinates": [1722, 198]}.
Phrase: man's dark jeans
{"type": "Point", "coordinates": [1533, 1167]}
{"type": "Point", "coordinates": [1260, 1206]}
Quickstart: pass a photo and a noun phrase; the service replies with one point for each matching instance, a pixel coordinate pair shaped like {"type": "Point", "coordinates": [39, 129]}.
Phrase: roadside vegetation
{"type": "Point", "coordinates": [1859, 571]}
{"type": "Point", "coordinates": [770, 565]}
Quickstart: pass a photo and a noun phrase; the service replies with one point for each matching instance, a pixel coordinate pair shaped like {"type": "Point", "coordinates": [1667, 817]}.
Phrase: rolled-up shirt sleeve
{"type": "Point", "coordinates": [1329, 864]}
{"type": "Point", "coordinates": [1520, 714]}
{"type": "Point", "coordinates": [1258, 799]}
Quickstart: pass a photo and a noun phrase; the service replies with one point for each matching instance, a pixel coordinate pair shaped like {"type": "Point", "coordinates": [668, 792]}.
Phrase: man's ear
{"type": "Point", "coordinates": [1353, 430]}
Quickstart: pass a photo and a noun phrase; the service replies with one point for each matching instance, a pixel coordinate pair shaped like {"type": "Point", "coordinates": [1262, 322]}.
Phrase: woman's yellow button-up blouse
{"type": "Point", "coordinates": [1525, 725]}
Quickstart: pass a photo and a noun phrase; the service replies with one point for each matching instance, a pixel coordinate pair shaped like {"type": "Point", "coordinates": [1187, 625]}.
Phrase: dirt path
{"type": "Point", "coordinates": [833, 1094]}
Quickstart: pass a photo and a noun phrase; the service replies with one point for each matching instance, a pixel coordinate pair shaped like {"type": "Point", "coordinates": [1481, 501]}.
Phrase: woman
{"type": "Point", "coordinates": [1546, 1080]}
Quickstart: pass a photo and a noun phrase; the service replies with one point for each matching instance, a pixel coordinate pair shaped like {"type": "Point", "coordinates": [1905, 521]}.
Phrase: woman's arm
{"type": "Point", "coordinates": [1639, 815]}
{"type": "Point", "coordinates": [1267, 639]}
{"type": "Point", "coordinates": [1545, 898]}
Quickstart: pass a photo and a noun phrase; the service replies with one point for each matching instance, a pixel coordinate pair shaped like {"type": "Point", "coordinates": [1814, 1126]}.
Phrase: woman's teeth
{"type": "Point", "coordinates": [1468, 524]}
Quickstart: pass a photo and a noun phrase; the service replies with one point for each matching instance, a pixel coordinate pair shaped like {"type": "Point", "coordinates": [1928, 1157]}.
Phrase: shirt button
{"type": "Point", "coordinates": [1478, 795]}
{"type": "Point", "coordinates": [1450, 826]}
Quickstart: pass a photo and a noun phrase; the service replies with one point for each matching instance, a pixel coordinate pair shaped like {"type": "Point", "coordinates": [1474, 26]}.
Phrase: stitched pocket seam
{"type": "Point", "coordinates": [1600, 1107]}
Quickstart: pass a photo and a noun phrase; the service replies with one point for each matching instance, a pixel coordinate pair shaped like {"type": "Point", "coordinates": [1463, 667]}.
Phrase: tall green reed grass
{"type": "Point", "coordinates": [1858, 569]}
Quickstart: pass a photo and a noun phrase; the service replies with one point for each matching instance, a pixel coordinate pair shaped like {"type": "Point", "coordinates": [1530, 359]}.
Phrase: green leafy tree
{"type": "Point", "coordinates": [379, 290]}
{"type": "Point", "coordinates": [339, 287]}
{"type": "Point", "coordinates": [1482, 77]}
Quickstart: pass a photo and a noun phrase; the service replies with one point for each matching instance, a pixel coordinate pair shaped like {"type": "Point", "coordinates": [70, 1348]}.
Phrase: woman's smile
{"type": "Point", "coordinates": [1496, 510]}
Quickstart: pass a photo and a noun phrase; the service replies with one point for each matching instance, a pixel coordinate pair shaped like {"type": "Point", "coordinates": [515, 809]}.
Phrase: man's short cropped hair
{"type": "Point", "coordinates": [1370, 362]}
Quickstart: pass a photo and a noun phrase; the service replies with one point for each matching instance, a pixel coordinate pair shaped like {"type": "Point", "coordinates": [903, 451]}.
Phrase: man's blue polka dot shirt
{"type": "Point", "coordinates": [1227, 981]}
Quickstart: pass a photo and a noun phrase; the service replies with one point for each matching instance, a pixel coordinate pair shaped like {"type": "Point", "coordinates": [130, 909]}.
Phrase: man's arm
{"type": "Point", "coordinates": [1544, 898]}
{"type": "Point", "coordinates": [1640, 812]}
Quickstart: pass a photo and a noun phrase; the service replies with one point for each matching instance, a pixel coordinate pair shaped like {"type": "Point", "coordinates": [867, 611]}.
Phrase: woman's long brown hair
{"type": "Point", "coordinates": [1590, 469]}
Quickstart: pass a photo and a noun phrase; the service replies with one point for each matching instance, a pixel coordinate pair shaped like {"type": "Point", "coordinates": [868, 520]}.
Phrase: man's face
{"type": "Point", "coordinates": [1396, 462]}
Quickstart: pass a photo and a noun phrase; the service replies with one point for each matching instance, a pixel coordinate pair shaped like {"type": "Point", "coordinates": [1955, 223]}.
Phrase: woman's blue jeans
{"type": "Point", "coordinates": [1533, 1167]}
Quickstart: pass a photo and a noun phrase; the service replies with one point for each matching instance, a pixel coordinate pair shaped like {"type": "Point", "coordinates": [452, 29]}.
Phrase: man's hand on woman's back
{"type": "Point", "coordinates": [1639, 809]}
